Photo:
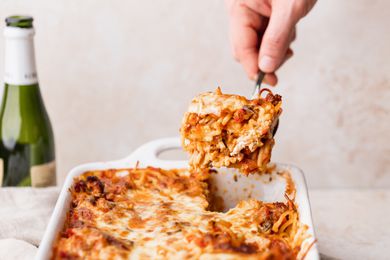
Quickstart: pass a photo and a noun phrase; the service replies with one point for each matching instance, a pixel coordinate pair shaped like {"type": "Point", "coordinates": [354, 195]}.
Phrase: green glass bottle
{"type": "Point", "coordinates": [27, 154]}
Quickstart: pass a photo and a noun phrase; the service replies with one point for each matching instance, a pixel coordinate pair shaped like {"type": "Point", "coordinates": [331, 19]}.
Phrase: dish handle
{"type": "Point", "coordinates": [148, 153]}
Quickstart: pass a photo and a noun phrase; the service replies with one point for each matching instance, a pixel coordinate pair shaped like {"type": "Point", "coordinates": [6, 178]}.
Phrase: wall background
{"type": "Point", "coordinates": [115, 74]}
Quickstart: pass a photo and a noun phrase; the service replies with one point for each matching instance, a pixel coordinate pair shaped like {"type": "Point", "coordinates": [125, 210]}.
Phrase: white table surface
{"type": "Point", "coordinates": [352, 223]}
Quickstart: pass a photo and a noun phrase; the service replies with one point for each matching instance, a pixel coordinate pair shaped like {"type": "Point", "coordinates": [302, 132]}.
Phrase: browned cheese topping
{"type": "Point", "coordinates": [152, 213]}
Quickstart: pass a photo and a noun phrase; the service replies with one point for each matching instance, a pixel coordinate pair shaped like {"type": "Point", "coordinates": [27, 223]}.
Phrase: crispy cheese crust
{"type": "Point", "coordinates": [152, 213]}
{"type": "Point", "coordinates": [221, 130]}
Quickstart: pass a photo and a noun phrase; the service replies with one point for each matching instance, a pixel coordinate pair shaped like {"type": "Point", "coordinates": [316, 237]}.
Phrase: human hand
{"type": "Point", "coordinates": [268, 25]}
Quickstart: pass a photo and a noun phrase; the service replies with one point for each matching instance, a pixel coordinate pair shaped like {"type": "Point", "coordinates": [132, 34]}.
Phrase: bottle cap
{"type": "Point", "coordinates": [20, 21]}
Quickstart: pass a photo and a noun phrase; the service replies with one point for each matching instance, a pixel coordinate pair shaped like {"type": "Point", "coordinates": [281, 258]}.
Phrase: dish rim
{"type": "Point", "coordinates": [147, 155]}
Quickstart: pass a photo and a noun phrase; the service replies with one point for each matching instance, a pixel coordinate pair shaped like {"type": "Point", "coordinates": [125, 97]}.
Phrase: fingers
{"type": "Point", "coordinates": [262, 7]}
{"type": "Point", "coordinates": [293, 35]}
{"type": "Point", "coordinates": [277, 37]}
{"type": "Point", "coordinates": [244, 27]}
{"type": "Point", "coordinates": [249, 24]}
{"type": "Point", "coordinates": [288, 55]}
{"type": "Point", "coordinates": [303, 7]}
{"type": "Point", "coordinates": [281, 32]}
{"type": "Point", "coordinates": [272, 78]}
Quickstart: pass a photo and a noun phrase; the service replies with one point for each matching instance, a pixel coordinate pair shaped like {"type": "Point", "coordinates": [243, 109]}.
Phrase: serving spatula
{"type": "Point", "coordinates": [256, 92]}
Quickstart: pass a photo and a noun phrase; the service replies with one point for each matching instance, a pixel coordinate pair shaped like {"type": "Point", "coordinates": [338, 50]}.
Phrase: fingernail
{"type": "Point", "coordinates": [267, 64]}
{"type": "Point", "coordinates": [253, 77]}
{"type": "Point", "coordinates": [266, 81]}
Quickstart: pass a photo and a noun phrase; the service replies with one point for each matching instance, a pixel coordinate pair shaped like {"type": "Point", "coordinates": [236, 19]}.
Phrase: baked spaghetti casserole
{"type": "Point", "coordinates": [221, 130]}
{"type": "Point", "coordinates": [151, 213]}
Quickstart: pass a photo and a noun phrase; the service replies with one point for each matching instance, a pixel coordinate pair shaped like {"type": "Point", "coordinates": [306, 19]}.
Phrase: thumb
{"type": "Point", "coordinates": [276, 38]}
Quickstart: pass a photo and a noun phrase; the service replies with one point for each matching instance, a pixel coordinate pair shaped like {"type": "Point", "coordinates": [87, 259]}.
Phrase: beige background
{"type": "Point", "coordinates": [115, 74]}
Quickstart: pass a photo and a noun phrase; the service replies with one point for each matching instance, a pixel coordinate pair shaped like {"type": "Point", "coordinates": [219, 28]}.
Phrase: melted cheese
{"type": "Point", "coordinates": [214, 103]}
{"type": "Point", "coordinates": [163, 214]}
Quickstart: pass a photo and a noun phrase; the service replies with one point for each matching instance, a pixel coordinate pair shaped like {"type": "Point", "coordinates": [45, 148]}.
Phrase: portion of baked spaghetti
{"type": "Point", "coordinates": [152, 213]}
{"type": "Point", "coordinates": [231, 131]}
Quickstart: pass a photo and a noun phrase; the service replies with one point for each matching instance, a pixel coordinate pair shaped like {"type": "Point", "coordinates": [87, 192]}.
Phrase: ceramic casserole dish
{"type": "Point", "coordinates": [232, 187]}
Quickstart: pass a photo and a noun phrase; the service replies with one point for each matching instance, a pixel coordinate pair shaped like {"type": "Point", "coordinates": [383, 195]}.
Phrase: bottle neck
{"type": "Point", "coordinates": [19, 64]}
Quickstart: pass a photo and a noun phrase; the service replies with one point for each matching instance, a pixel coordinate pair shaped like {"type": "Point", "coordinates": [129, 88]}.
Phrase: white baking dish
{"type": "Point", "coordinates": [259, 187]}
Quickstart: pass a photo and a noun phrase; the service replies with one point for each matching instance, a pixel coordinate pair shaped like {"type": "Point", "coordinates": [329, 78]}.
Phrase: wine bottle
{"type": "Point", "coordinates": [27, 154]}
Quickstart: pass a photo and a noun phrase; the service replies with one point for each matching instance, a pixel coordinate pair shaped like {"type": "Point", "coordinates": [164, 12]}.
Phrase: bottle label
{"type": "Point", "coordinates": [43, 175]}
{"type": "Point", "coordinates": [1, 171]}
{"type": "Point", "coordinates": [19, 57]}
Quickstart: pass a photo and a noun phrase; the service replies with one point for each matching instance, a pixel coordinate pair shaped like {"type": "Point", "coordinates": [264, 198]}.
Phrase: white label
{"type": "Point", "coordinates": [1, 172]}
{"type": "Point", "coordinates": [43, 175]}
{"type": "Point", "coordinates": [19, 56]}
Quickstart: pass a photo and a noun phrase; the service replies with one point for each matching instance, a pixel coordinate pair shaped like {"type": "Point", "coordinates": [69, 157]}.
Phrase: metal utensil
{"type": "Point", "coordinates": [259, 80]}
{"type": "Point", "coordinates": [256, 92]}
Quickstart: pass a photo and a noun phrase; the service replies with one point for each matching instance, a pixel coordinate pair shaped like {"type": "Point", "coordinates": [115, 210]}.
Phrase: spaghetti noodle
{"type": "Point", "coordinates": [231, 131]}
{"type": "Point", "coordinates": [151, 213]}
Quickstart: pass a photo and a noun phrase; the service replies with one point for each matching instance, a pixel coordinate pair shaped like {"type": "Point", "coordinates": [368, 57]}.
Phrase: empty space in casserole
{"type": "Point", "coordinates": [222, 130]}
